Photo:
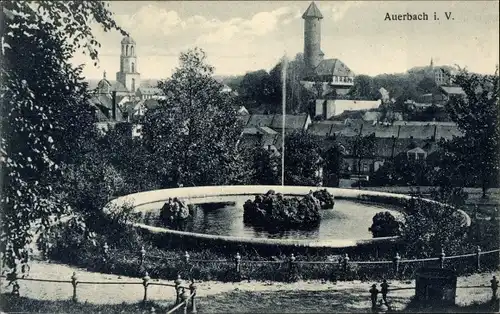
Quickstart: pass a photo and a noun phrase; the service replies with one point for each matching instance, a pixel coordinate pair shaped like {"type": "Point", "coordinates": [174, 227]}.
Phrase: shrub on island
{"type": "Point", "coordinates": [385, 225]}
{"type": "Point", "coordinates": [325, 198]}
{"type": "Point", "coordinates": [175, 213]}
{"type": "Point", "coordinates": [274, 211]}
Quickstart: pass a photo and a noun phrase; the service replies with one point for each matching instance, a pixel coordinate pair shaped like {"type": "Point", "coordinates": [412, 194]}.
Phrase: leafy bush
{"type": "Point", "coordinates": [325, 198]}
{"type": "Point", "coordinates": [430, 227]}
{"type": "Point", "coordinates": [273, 211]}
{"type": "Point", "coordinates": [175, 213]}
{"type": "Point", "coordinates": [385, 225]}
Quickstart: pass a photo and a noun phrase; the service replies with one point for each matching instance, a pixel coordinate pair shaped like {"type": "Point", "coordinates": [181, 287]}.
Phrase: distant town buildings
{"type": "Point", "coordinates": [331, 76]}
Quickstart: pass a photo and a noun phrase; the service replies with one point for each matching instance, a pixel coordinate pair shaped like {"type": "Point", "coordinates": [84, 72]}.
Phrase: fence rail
{"type": "Point", "coordinates": [242, 261]}
{"type": "Point", "coordinates": [183, 299]}
{"type": "Point", "coordinates": [344, 261]}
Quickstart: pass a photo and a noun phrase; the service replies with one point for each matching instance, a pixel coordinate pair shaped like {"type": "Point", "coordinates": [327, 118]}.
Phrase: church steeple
{"type": "Point", "coordinates": [128, 75]}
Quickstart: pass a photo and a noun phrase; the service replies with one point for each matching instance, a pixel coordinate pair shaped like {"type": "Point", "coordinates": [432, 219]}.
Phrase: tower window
{"type": "Point", "coordinates": [132, 50]}
{"type": "Point", "coordinates": [133, 67]}
{"type": "Point", "coordinates": [126, 50]}
{"type": "Point", "coordinates": [133, 85]}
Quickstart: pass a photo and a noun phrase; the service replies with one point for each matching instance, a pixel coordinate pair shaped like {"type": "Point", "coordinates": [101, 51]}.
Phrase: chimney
{"type": "Point", "coordinates": [113, 106]}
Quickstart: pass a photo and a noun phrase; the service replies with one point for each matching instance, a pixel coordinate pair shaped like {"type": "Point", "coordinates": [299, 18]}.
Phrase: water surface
{"type": "Point", "coordinates": [348, 220]}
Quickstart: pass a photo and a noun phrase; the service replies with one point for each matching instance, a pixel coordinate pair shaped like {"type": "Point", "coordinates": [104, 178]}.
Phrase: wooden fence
{"type": "Point", "coordinates": [184, 300]}
{"type": "Point", "coordinates": [344, 261]}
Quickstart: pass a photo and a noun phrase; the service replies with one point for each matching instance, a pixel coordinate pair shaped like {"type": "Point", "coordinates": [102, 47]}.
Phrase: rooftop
{"type": "Point", "coordinates": [312, 11]}
{"type": "Point", "coordinates": [127, 40]}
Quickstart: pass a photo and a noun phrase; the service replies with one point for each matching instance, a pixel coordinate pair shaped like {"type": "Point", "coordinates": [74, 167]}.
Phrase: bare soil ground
{"type": "Point", "coordinates": [246, 296]}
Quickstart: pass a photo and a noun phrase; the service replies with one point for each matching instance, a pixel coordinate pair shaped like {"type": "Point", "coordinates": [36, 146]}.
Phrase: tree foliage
{"type": "Point", "coordinates": [430, 227]}
{"type": "Point", "coordinates": [45, 115]}
{"type": "Point", "coordinates": [477, 116]}
{"type": "Point", "coordinates": [302, 159]}
{"type": "Point", "coordinates": [193, 134]}
{"type": "Point", "coordinates": [333, 159]}
{"type": "Point", "coordinates": [385, 225]}
{"type": "Point", "coordinates": [267, 166]}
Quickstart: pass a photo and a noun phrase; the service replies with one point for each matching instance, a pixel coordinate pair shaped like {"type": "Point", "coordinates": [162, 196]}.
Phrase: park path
{"type": "Point", "coordinates": [116, 294]}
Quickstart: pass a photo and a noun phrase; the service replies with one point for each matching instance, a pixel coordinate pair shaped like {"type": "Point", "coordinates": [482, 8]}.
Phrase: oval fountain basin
{"type": "Point", "coordinates": [348, 219]}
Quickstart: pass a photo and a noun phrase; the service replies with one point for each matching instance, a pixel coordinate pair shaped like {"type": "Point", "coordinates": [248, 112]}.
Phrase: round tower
{"type": "Point", "coordinates": [312, 36]}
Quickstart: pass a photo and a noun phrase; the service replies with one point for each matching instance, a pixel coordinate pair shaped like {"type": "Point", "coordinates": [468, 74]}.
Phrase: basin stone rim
{"type": "Point", "coordinates": [142, 198]}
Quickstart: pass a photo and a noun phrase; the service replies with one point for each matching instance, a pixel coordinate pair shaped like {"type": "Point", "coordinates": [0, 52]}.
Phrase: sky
{"type": "Point", "coordinates": [239, 37]}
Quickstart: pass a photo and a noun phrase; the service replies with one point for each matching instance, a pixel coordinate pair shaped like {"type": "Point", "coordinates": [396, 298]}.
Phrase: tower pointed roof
{"type": "Point", "coordinates": [312, 11]}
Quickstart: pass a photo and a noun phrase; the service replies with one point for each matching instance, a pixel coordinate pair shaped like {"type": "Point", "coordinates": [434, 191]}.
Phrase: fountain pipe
{"type": "Point", "coordinates": [283, 115]}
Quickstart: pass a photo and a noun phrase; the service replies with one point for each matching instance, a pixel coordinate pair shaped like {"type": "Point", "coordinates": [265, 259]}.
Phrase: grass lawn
{"type": "Point", "coordinates": [246, 302]}
{"type": "Point", "coordinates": [10, 303]}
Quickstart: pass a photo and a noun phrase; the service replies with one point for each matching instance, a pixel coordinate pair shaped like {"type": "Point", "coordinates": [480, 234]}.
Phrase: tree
{"type": "Point", "coordinates": [362, 147]}
{"type": "Point", "coordinates": [430, 227]}
{"type": "Point", "coordinates": [130, 158]}
{"type": "Point", "coordinates": [45, 113]}
{"type": "Point", "coordinates": [257, 87]}
{"type": "Point", "coordinates": [427, 85]}
{"type": "Point", "coordinates": [193, 133]}
{"type": "Point", "coordinates": [267, 166]}
{"type": "Point", "coordinates": [302, 159]}
{"type": "Point", "coordinates": [477, 116]}
{"type": "Point", "coordinates": [332, 162]}
{"type": "Point", "coordinates": [362, 88]}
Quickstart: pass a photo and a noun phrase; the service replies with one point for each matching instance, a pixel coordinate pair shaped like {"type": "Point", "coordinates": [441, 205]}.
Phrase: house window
{"type": "Point", "coordinates": [420, 156]}
{"type": "Point", "coordinates": [366, 168]}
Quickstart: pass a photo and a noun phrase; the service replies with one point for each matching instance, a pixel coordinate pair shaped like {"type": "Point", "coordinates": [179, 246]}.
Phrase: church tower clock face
{"type": "Point", "coordinates": [129, 75]}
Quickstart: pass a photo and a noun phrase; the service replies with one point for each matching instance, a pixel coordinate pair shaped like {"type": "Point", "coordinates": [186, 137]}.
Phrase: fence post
{"type": "Point", "coordinates": [397, 258]}
{"type": "Point", "coordinates": [441, 258]}
{"type": "Point", "coordinates": [184, 298]}
{"type": "Point", "coordinates": [145, 283]}
{"type": "Point", "coordinates": [192, 289]}
{"type": "Point", "coordinates": [177, 283]}
{"type": "Point", "coordinates": [186, 264]}
{"type": "Point", "coordinates": [105, 250]}
{"type": "Point", "coordinates": [237, 266]}
{"type": "Point", "coordinates": [143, 255]}
{"type": "Point", "coordinates": [291, 267]}
{"type": "Point", "coordinates": [345, 263]}
{"type": "Point", "coordinates": [74, 282]}
{"type": "Point", "coordinates": [478, 257]}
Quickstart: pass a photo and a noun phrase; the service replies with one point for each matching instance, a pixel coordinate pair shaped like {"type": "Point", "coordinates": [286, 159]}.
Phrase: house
{"type": "Point", "coordinates": [413, 139]}
{"type": "Point", "coordinates": [242, 111]}
{"type": "Point", "coordinates": [328, 108]}
{"type": "Point", "coordinates": [144, 93]}
{"type": "Point", "coordinates": [264, 130]}
{"type": "Point", "coordinates": [292, 122]}
{"type": "Point", "coordinates": [448, 91]}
